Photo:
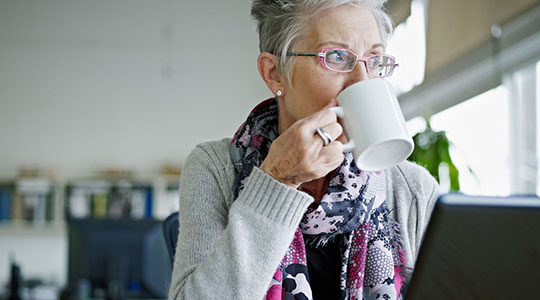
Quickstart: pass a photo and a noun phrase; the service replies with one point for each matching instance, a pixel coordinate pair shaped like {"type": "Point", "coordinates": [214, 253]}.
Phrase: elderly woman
{"type": "Point", "coordinates": [275, 213]}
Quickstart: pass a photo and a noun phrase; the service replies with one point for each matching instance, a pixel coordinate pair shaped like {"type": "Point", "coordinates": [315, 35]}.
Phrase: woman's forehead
{"type": "Point", "coordinates": [345, 26]}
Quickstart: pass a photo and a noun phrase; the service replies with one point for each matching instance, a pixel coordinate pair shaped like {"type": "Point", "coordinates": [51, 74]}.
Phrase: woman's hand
{"type": "Point", "coordinates": [298, 155]}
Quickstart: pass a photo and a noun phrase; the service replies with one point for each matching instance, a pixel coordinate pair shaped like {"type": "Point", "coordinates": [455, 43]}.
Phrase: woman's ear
{"type": "Point", "coordinates": [267, 64]}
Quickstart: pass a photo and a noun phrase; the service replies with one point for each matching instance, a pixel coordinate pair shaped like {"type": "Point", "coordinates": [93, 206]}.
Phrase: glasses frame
{"type": "Point", "coordinates": [364, 59]}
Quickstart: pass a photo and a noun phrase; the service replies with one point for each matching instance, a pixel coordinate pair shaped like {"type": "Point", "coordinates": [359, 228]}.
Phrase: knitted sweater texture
{"type": "Point", "coordinates": [230, 249]}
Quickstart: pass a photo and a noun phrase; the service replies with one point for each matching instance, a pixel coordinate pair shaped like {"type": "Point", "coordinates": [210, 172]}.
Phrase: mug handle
{"type": "Point", "coordinates": [340, 113]}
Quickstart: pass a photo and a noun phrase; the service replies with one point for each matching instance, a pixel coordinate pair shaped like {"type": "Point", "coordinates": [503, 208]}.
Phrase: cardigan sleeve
{"type": "Point", "coordinates": [230, 251]}
{"type": "Point", "coordinates": [412, 194]}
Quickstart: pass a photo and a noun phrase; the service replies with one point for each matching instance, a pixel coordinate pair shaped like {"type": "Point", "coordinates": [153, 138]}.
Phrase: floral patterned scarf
{"type": "Point", "coordinates": [354, 206]}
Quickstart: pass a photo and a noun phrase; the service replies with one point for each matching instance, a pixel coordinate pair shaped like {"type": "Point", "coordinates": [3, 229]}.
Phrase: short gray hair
{"type": "Point", "coordinates": [282, 23]}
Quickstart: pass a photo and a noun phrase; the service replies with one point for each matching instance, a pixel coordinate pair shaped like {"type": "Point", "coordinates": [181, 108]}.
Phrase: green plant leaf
{"type": "Point", "coordinates": [432, 148]}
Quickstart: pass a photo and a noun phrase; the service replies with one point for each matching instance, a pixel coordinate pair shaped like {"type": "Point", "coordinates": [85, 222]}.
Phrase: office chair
{"type": "Point", "coordinates": [170, 231]}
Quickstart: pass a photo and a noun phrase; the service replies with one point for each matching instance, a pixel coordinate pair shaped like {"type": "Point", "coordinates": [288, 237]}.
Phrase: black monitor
{"type": "Point", "coordinates": [480, 247]}
{"type": "Point", "coordinates": [118, 259]}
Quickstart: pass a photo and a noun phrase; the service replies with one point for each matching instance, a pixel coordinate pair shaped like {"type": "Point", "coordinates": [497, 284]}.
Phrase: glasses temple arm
{"type": "Point", "coordinates": [303, 54]}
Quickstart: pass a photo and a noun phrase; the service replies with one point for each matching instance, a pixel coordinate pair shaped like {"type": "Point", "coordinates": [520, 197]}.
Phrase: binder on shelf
{"type": "Point", "coordinates": [149, 204]}
{"type": "Point", "coordinates": [166, 200]}
{"type": "Point", "coordinates": [33, 201]}
{"type": "Point", "coordinates": [17, 207]}
{"type": "Point", "coordinates": [138, 204]}
{"type": "Point", "coordinates": [99, 205]}
{"type": "Point", "coordinates": [6, 198]}
{"type": "Point", "coordinates": [78, 204]}
{"type": "Point", "coordinates": [49, 208]}
{"type": "Point", "coordinates": [34, 208]}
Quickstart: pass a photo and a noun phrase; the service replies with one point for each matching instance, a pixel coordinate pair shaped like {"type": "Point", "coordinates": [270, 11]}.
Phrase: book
{"type": "Point", "coordinates": [99, 205]}
{"type": "Point", "coordinates": [32, 200]}
{"type": "Point", "coordinates": [78, 204]}
{"type": "Point", "coordinates": [5, 204]}
{"type": "Point", "coordinates": [138, 204]}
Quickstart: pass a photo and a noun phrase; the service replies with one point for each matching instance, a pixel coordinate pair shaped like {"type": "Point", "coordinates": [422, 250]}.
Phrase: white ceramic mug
{"type": "Point", "coordinates": [374, 125]}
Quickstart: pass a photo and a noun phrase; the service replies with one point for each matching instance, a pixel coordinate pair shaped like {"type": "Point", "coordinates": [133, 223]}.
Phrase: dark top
{"type": "Point", "coordinates": [324, 268]}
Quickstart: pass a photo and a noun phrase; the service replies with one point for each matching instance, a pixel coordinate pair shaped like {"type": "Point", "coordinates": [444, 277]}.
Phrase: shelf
{"type": "Point", "coordinates": [43, 206]}
{"type": "Point", "coordinates": [22, 228]}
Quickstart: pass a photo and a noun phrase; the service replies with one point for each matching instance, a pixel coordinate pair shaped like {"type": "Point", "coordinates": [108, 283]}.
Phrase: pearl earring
{"type": "Point", "coordinates": [279, 93]}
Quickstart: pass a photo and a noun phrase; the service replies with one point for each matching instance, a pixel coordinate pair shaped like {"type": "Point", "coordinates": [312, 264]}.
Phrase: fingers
{"type": "Point", "coordinates": [332, 154]}
{"type": "Point", "coordinates": [298, 155]}
{"type": "Point", "coordinates": [334, 130]}
{"type": "Point", "coordinates": [321, 118]}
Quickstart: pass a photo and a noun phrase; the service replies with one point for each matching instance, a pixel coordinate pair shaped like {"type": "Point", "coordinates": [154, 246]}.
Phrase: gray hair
{"type": "Point", "coordinates": [282, 23]}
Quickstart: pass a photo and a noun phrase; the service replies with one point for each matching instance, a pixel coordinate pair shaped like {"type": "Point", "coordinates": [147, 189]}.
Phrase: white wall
{"type": "Point", "coordinates": [134, 84]}
{"type": "Point", "coordinates": [41, 254]}
{"type": "Point", "coordinates": [127, 83]}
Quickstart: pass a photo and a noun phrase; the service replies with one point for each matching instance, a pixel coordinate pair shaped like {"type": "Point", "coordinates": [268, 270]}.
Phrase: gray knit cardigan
{"type": "Point", "coordinates": [230, 249]}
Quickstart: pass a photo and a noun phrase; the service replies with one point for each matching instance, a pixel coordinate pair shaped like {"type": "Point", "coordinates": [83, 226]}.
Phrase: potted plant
{"type": "Point", "coordinates": [432, 150]}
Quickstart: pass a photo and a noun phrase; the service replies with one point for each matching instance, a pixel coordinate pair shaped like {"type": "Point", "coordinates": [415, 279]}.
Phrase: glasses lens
{"type": "Point", "coordinates": [381, 65]}
{"type": "Point", "coordinates": [339, 60]}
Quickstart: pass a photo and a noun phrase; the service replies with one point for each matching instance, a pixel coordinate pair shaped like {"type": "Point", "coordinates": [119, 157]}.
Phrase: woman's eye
{"type": "Point", "coordinates": [375, 61]}
{"type": "Point", "coordinates": [336, 56]}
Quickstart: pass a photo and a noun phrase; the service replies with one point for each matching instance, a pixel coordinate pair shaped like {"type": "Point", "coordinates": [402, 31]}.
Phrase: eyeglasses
{"type": "Point", "coordinates": [343, 60]}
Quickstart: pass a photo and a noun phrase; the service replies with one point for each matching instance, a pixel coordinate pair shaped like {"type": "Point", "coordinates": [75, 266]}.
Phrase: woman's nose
{"type": "Point", "coordinates": [359, 73]}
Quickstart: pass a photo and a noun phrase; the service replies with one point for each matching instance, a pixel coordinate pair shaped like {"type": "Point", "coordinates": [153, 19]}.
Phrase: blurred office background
{"type": "Point", "coordinates": [102, 101]}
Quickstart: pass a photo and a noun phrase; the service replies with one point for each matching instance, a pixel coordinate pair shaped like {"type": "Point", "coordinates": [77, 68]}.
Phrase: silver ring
{"type": "Point", "coordinates": [324, 136]}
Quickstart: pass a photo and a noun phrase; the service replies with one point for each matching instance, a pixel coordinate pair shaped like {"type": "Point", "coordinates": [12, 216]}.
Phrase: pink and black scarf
{"type": "Point", "coordinates": [354, 206]}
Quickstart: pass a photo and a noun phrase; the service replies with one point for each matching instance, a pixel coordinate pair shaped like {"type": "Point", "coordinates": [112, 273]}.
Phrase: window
{"type": "Point", "coordinates": [538, 123]}
{"type": "Point", "coordinates": [408, 45]}
{"type": "Point", "coordinates": [478, 129]}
